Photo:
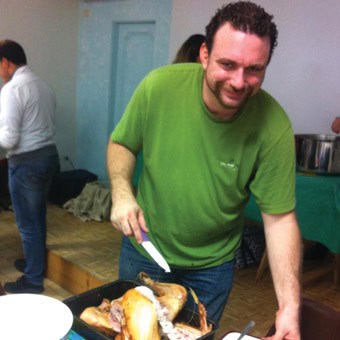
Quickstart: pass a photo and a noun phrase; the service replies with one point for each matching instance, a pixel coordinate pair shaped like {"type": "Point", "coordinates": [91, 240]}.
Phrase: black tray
{"type": "Point", "coordinates": [114, 290]}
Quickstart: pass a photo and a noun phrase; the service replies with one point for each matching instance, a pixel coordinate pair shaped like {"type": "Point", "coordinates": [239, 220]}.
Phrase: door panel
{"type": "Point", "coordinates": [133, 51]}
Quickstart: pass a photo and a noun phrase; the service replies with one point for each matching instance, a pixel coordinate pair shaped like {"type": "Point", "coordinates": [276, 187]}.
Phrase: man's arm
{"type": "Point", "coordinates": [283, 241]}
{"type": "Point", "coordinates": [11, 118]}
{"type": "Point", "coordinates": [126, 214]}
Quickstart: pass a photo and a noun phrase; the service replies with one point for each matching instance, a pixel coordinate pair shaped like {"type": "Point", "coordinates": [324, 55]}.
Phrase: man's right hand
{"type": "Point", "coordinates": [128, 217]}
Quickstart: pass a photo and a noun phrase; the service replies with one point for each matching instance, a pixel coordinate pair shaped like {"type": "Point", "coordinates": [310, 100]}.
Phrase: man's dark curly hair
{"type": "Point", "coordinates": [246, 17]}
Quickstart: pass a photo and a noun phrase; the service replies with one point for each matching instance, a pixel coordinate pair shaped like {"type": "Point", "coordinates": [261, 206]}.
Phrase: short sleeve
{"type": "Point", "coordinates": [129, 130]}
{"type": "Point", "coordinates": [274, 184]}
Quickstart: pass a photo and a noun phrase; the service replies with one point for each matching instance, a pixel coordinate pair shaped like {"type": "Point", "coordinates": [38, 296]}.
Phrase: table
{"type": "Point", "coordinates": [317, 210]}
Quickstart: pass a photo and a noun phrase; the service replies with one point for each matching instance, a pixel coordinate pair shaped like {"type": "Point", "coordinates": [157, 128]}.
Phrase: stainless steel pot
{"type": "Point", "coordinates": [318, 153]}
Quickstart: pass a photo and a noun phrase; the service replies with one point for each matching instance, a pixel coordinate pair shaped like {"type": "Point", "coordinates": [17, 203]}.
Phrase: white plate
{"type": "Point", "coordinates": [235, 336]}
{"type": "Point", "coordinates": [33, 317]}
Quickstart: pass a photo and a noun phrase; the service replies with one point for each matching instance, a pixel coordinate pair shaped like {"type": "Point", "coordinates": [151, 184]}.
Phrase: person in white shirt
{"type": "Point", "coordinates": [27, 132]}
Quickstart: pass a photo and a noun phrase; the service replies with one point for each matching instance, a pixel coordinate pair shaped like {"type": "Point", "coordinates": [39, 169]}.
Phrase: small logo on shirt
{"type": "Point", "coordinates": [229, 165]}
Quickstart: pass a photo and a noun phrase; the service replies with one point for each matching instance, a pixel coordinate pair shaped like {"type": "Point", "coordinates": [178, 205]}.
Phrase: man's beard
{"type": "Point", "coordinates": [217, 91]}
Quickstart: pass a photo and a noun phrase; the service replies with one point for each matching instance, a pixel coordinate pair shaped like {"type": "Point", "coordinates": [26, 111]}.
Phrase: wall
{"type": "Point", "coordinates": [304, 74]}
{"type": "Point", "coordinates": [48, 31]}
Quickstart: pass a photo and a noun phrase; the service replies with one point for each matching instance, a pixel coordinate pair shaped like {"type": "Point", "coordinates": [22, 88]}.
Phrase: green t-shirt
{"type": "Point", "coordinates": [198, 171]}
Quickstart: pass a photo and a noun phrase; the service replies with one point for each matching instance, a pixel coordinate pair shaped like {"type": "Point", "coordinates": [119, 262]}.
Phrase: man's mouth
{"type": "Point", "coordinates": [235, 95]}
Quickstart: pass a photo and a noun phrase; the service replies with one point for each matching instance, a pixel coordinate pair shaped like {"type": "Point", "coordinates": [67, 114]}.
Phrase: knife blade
{"type": "Point", "coordinates": [154, 253]}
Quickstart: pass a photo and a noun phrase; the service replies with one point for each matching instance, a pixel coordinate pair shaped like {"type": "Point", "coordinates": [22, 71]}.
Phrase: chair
{"type": "Point", "coordinates": [262, 266]}
{"type": "Point", "coordinates": [311, 276]}
{"type": "Point", "coordinates": [317, 322]}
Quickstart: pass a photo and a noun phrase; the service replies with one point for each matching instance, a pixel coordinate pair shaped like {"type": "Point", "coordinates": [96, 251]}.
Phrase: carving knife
{"type": "Point", "coordinates": [154, 253]}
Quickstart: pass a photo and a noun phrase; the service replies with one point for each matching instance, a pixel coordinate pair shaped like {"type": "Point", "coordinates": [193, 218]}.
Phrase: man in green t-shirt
{"type": "Point", "coordinates": [210, 137]}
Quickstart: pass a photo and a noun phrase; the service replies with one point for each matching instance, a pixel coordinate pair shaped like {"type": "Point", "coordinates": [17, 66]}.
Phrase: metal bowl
{"type": "Point", "coordinates": [318, 153]}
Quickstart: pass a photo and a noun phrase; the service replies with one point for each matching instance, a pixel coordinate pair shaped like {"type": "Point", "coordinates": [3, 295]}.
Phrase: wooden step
{"type": "Point", "coordinates": [69, 276]}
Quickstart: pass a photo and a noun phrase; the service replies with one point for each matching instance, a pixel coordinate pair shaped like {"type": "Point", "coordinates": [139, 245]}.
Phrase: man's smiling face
{"type": "Point", "coordinates": [234, 69]}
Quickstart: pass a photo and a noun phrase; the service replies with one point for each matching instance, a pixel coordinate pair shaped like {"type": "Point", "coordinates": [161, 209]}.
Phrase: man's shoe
{"type": "Point", "coordinates": [20, 265]}
{"type": "Point", "coordinates": [22, 285]}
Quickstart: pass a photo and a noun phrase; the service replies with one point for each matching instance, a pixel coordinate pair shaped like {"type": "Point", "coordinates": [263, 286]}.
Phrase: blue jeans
{"type": "Point", "coordinates": [29, 181]}
{"type": "Point", "coordinates": [212, 285]}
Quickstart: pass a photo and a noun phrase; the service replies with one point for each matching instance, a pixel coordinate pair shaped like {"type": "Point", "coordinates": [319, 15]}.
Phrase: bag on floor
{"type": "Point", "coordinates": [69, 184]}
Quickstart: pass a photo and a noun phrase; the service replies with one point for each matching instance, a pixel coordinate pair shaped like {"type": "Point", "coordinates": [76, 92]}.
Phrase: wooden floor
{"type": "Point", "coordinates": [83, 255]}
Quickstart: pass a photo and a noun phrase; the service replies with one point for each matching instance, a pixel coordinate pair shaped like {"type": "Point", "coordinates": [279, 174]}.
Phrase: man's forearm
{"type": "Point", "coordinates": [126, 214]}
{"type": "Point", "coordinates": [284, 252]}
{"type": "Point", "coordinates": [120, 167]}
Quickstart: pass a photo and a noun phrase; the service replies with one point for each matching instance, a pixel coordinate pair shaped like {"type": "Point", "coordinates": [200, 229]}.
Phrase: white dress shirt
{"type": "Point", "coordinates": [27, 113]}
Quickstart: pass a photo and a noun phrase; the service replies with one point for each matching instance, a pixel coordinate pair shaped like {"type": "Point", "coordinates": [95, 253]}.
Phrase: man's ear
{"type": "Point", "coordinates": [204, 55]}
{"type": "Point", "coordinates": [5, 62]}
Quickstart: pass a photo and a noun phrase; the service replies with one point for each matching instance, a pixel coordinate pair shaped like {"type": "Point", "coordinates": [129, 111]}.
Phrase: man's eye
{"type": "Point", "coordinates": [228, 66]}
{"type": "Point", "coordinates": [254, 69]}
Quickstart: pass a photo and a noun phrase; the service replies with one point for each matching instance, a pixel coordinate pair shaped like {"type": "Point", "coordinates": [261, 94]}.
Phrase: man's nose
{"type": "Point", "coordinates": [238, 80]}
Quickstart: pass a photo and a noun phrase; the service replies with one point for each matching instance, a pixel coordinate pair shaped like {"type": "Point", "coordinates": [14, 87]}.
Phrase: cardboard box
{"type": "Point", "coordinates": [113, 291]}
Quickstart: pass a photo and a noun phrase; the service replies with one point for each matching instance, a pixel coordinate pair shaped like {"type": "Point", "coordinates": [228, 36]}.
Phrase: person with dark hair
{"type": "Point", "coordinates": [241, 17]}
{"type": "Point", "coordinates": [27, 132]}
{"type": "Point", "coordinates": [210, 137]}
{"type": "Point", "coordinates": [12, 51]}
{"type": "Point", "coordinates": [189, 52]}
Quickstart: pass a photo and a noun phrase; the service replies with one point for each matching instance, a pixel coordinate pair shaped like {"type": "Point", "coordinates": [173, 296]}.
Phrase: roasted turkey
{"type": "Point", "coordinates": [170, 295]}
{"type": "Point", "coordinates": [139, 319]}
{"type": "Point", "coordinates": [99, 317]}
{"type": "Point", "coordinates": [146, 313]}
